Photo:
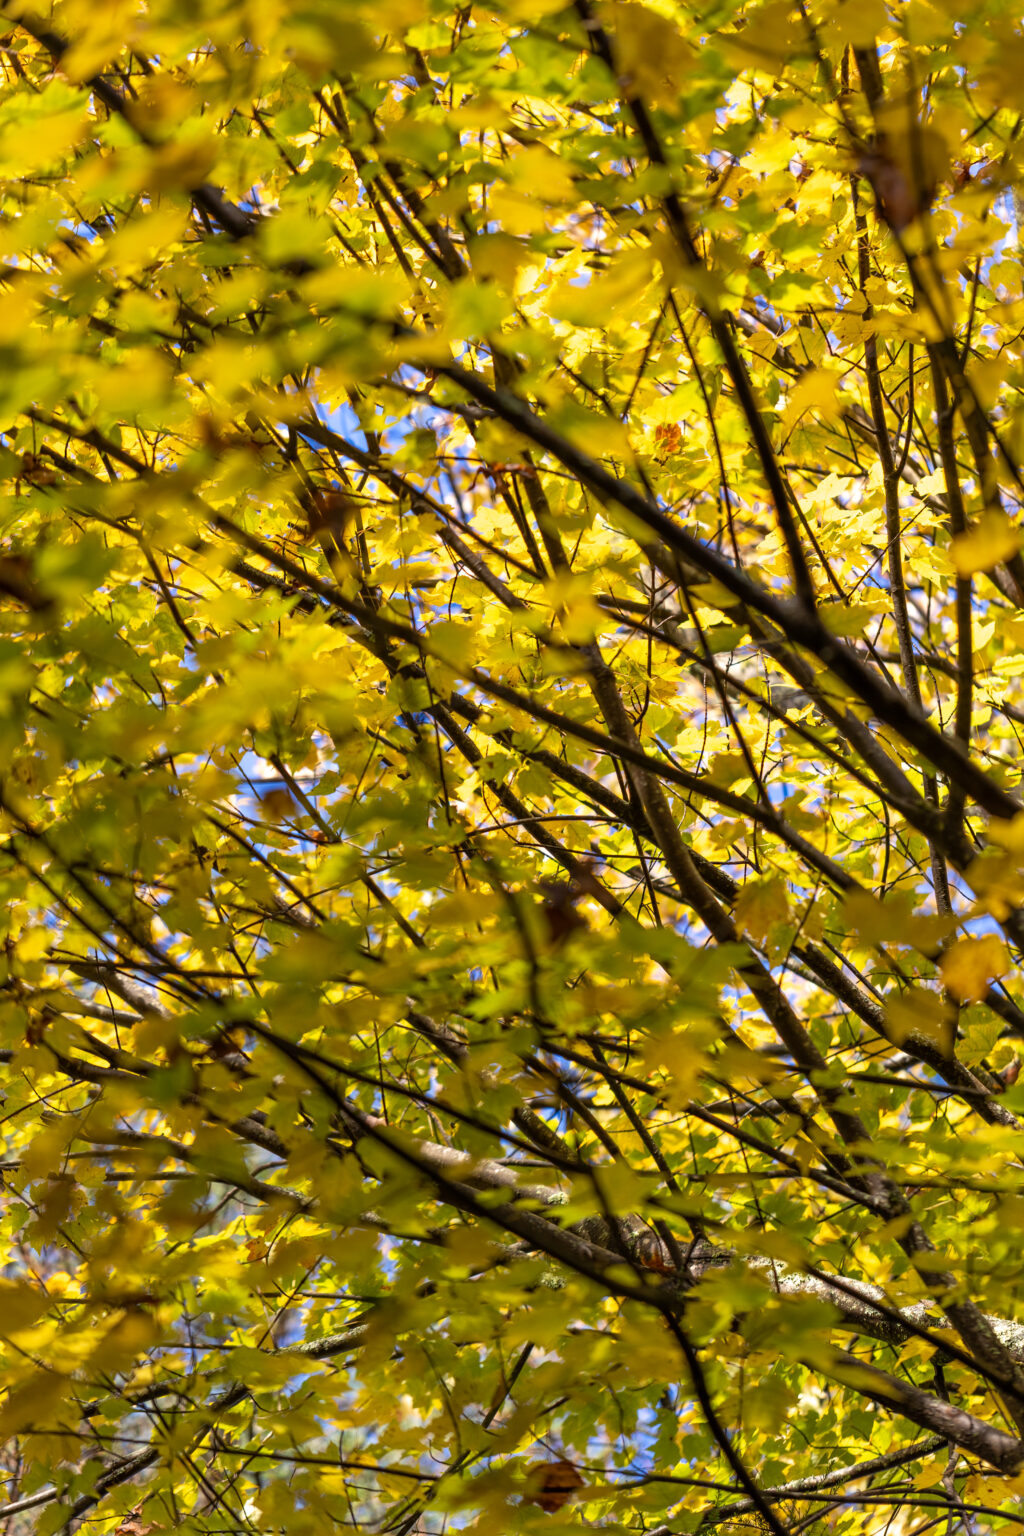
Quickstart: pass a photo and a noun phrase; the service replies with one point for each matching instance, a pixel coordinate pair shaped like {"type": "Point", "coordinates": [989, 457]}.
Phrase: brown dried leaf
{"type": "Point", "coordinates": [554, 1483]}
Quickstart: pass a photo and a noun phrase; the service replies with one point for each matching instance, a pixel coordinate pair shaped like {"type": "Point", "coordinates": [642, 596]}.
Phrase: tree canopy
{"type": "Point", "coordinates": [511, 839]}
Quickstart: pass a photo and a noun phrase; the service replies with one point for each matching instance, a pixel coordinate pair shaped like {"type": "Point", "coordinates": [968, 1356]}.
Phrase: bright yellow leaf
{"type": "Point", "coordinates": [992, 538]}
{"type": "Point", "coordinates": [971, 965]}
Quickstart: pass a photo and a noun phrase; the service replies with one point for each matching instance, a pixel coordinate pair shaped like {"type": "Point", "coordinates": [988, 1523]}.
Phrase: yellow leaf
{"type": "Point", "coordinates": [517, 212]}
{"type": "Point", "coordinates": [589, 430]}
{"type": "Point", "coordinates": [620, 286]}
{"type": "Point", "coordinates": [860, 23]}
{"type": "Point", "coordinates": [971, 964]}
{"type": "Point", "coordinates": [139, 241]}
{"type": "Point", "coordinates": [931, 1473]}
{"type": "Point", "coordinates": [32, 146]}
{"type": "Point", "coordinates": [759, 905]}
{"type": "Point", "coordinates": [766, 41]}
{"type": "Point", "coordinates": [987, 378]}
{"type": "Point", "coordinates": [451, 642]}
{"type": "Point", "coordinates": [993, 538]}
{"type": "Point", "coordinates": [540, 175]}
{"type": "Point", "coordinates": [931, 485]}
{"type": "Point", "coordinates": [498, 257]}
{"type": "Point", "coordinates": [652, 55]}
{"type": "Point", "coordinates": [921, 1013]}
{"type": "Point", "coordinates": [20, 1306]}
{"type": "Point", "coordinates": [266, 1370]}
{"type": "Point", "coordinates": [996, 880]}
{"type": "Point", "coordinates": [45, 1152]}
{"type": "Point", "coordinates": [1009, 834]}
{"type": "Point", "coordinates": [98, 34]}
{"type": "Point", "coordinates": [31, 1403]}
{"type": "Point", "coordinates": [844, 618]}
{"type": "Point", "coordinates": [141, 382]}
{"type": "Point", "coordinates": [813, 391]}
{"type": "Point", "coordinates": [182, 163]}
{"type": "Point", "coordinates": [131, 1335]}
{"type": "Point", "coordinates": [874, 921]}
{"type": "Point", "coordinates": [681, 1054]}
